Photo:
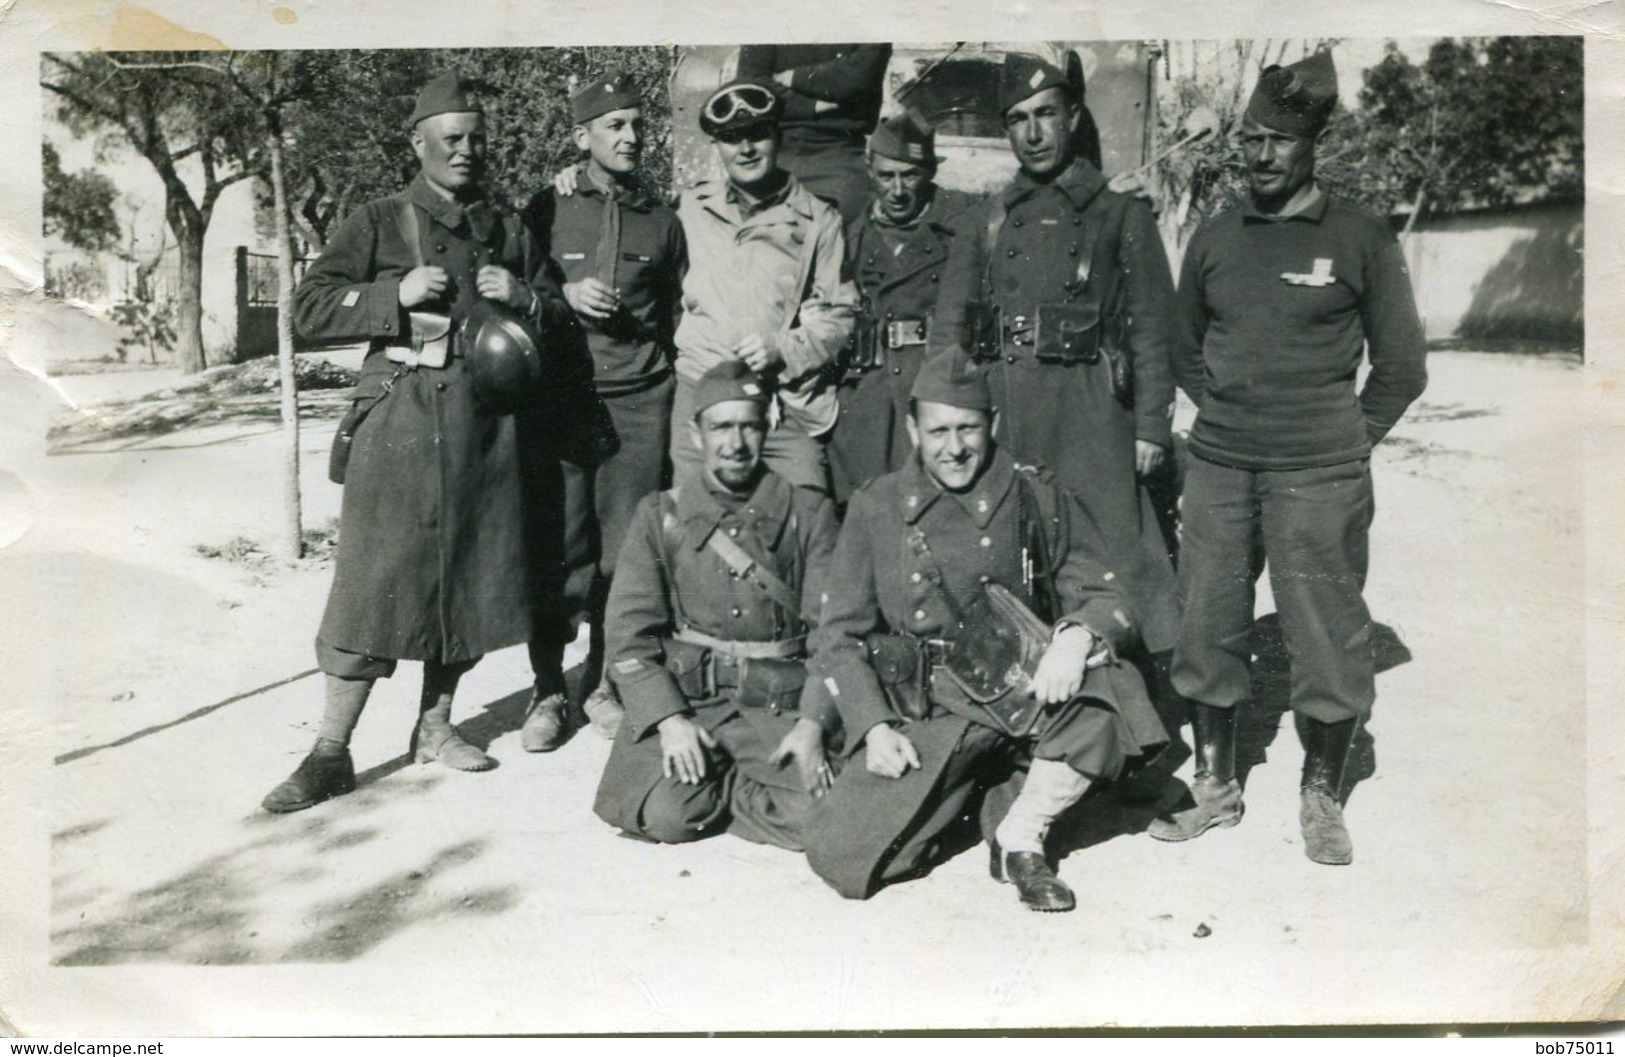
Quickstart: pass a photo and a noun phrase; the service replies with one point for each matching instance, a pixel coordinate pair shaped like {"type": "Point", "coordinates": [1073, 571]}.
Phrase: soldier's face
{"type": "Point", "coordinates": [954, 442]}
{"type": "Point", "coordinates": [1040, 129]}
{"type": "Point", "coordinates": [614, 141]}
{"type": "Point", "coordinates": [1279, 164]}
{"type": "Point", "coordinates": [750, 155]}
{"type": "Point", "coordinates": [729, 436]}
{"type": "Point", "coordinates": [451, 148]}
{"type": "Point", "coordinates": [900, 187]}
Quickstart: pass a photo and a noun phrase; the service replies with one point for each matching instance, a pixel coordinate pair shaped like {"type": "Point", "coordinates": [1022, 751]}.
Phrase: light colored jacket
{"type": "Point", "coordinates": [777, 274]}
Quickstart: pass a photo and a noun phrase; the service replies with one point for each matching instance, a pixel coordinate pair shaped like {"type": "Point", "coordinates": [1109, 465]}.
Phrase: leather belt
{"type": "Point", "coordinates": [736, 650]}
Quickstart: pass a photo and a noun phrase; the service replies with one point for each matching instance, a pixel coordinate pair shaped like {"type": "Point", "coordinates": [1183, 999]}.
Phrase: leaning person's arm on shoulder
{"type": "Point", "coordinates": [829, 309]}
{"type": "Point", "coordinates": [637, 618]}
{"type": "Point", "coordinates": [1150, 304]}
{"type": "Point", "coordinates": [1394, 341]}
{"type": "Point", "coordinates": [838, 673]}
{"type": "Point", "coordinates": [342, 296]}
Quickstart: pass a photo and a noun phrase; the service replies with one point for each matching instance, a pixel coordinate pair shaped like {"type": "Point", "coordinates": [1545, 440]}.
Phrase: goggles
{"type": "Point", "coordinates": [751, 100]}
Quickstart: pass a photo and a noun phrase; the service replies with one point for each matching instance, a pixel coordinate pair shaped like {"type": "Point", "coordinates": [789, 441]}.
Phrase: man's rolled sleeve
{"type": "Point", "coordinates": [1394, 342]}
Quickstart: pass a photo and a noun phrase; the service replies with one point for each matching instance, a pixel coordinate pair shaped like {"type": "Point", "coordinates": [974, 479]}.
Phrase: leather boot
{"type": "Point", "coordinates": [323, 774]}
{"type": "Point", "coordinates": [1320, 812]}
{"type": "Point", "coordinates": [547, 724]}
{"type": "Point", "coordinates": [434, 738]}
{"type": "Point", "coordinates": [1214, 788]}
{"type": "Point", "coordinates": [1035, 882]}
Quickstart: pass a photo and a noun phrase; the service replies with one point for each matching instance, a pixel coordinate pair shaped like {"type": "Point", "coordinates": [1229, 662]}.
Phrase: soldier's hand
{"type": "Point", "coordinates": [422, 284]}
{"type": "Point", "coordinates": [564, 183]}
{"type": "Point", "coordinates": [499, 284]}
{"type": "Point", "coordinates": [759, 355]}
{"type": "Point", "coordinates": [1134, 185]}
{"type": "Point", "coordinates": [1061, 669]}
{"type": "Point", "coordinates": [888, 752]}
{"type": "Point", "coordinates": [591, 298]}
{"type": "Point", "coordinates": [682, 749]}
{"type": "Point", "coordinates": [1148, 457]}
{"type": "Point", "coordinates": [804, 745]}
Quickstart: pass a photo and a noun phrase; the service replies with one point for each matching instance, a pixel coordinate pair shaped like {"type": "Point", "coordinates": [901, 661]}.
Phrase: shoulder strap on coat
{"type": "Point", "coordinates": [406, 219]}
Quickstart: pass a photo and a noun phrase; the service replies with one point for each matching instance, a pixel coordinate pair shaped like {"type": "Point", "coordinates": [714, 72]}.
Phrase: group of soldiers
{"type": "Point", "coordinates": [908, 571]}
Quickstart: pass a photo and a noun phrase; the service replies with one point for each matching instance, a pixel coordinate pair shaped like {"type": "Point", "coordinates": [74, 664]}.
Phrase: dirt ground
{"type": "Point", "coordinates": [175, 690]}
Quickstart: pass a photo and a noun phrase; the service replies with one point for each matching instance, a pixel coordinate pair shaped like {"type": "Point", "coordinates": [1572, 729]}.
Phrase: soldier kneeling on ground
{"type": "Point", "coordinates": [715, 591]}
{"type": "Point", "coordinates": [934, 648]}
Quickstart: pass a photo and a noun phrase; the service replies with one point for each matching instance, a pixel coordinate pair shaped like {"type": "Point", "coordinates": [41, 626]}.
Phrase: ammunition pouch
{"type": "Point", "coordinates": [899, 662]}
{"type": "Point", "coordinates": [863, 352]}
{"type": "Point", "coordinates": [1068, 333]}
{"type": "Point", "coordinates": [1122, 368]}
{"type": "Point", "coordinates": [983, 335]}
{"type": "Point", "coordinates": [766, 682]}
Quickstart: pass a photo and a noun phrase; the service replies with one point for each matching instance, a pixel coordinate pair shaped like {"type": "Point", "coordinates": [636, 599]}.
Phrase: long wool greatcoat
{"type": "Point", "coordinates": [1074, 240]}
{"type": "Point", "coordinates": [898, 286]}
{"type": "Point", "coordinates": [432, 560]}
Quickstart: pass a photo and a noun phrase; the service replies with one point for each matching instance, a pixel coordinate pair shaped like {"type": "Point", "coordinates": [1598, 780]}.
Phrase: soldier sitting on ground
{"type": "Point", "coordinates": [707, 622]}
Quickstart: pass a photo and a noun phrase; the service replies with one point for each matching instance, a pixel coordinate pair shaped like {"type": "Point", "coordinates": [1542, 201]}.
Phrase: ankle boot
{"type": "Point", "coordinates": [604, 711]}
{"type": "Point", "coordinates": [434, 738]}
{"type": "Point", "coordinates": [1214, 788]}
{"type": "Point", "coordinates": [323, 774]}
{"type": "Point", "coordinates": [1320, 813]}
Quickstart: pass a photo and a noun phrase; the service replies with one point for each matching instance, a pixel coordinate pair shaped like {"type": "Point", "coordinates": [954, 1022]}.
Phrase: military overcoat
{"type": "Point", "coordinates": [898, 274]}
{"type": "Point", "coordinates": [432, 560]}
{"type": "Point", "coordinates": [1073, 242]}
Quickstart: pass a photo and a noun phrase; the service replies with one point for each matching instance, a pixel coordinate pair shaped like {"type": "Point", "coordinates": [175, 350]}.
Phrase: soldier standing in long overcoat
{"type": "Point", "coordinates": [431, 563]}
{"type": "Point", "coordinates": [898, 247]}
{"type": "Point", "coordinates": [1068, 289]}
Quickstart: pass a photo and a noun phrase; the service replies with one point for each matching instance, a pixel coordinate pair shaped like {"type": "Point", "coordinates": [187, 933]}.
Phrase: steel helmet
{"type": "Point", "coordinates": [509, 360]}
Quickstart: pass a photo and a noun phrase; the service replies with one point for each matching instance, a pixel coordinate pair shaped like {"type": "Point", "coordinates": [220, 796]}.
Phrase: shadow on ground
{"type": "Point", "coordinates": [210, 913]}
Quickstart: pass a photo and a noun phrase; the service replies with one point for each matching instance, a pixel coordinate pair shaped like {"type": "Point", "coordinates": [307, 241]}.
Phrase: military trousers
{"type": "Point", "coordinates": [1311, 527]}
{"type": "Point", "coordinates": [600, 497]}
{"type": "Point", "coordinates": [788, 450]}
{"type": "Point", "coordinates": [741, 792]}
{"type": "Point", "coordinates": [871, 831]}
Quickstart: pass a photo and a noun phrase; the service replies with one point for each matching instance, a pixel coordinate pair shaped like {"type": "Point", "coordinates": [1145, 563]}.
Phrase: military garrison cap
{"type": "Point", "coordinates": [728, 380]}
{"type": "Point", "coordinates": [1297, 99]}
{"type": "Point", "coordinates": [610, 91]}
{"type": "Point", "coordinates": [447, 94]}
{"type": "Point", "coordinates": [950, 378]}
{"type": "Point", "coordinates": [1024, 76]}
{"type": "Point", "coordinates": [905, 137]}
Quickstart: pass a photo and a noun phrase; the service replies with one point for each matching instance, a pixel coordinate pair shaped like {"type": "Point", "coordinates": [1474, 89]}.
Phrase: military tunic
{"type": "Point", "coordinates": [870, 830]}
{"type": "Point", "coordinates": [669, 579]}
{"type": "Point", "coordinates": [432, 561]}
{"type": "Point", "coordinates": [898, 271]}
{"type": "Point", "coordinates": [1073, 242]}
{"type": "Point", "coordinates": [633, 244]}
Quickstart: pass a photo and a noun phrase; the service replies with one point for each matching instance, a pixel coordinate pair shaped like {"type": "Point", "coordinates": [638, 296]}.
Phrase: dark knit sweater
{"type": "Point", "coordinates": [1275, 315]}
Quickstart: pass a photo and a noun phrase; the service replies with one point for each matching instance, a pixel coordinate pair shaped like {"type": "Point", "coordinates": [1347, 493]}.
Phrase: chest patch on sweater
{"type": "Point", "coordinates": [1321, 275]}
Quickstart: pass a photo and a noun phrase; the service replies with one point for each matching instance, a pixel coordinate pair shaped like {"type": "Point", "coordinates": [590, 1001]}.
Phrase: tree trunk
{"type": "Point", "coordinates": [292, 535]}
{"type": "Point", "coordinates": [189, 300]}
{"type": "Point", "coordinates": [1417, 205]}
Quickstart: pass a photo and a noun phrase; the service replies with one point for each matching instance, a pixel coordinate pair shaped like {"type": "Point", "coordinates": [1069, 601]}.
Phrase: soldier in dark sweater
{"type": "Point", "coordinates": [1280, 297]}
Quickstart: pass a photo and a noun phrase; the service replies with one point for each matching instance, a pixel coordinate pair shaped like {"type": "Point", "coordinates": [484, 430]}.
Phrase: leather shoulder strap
{"type": "Point", "coordinates": [996, 213]}
{"type": "Point", "coordinates": [406, 219]}
{"type": "Point", "coordinates": [748, 568]}
{"type": "Point", "coordinates": [671, 542]}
